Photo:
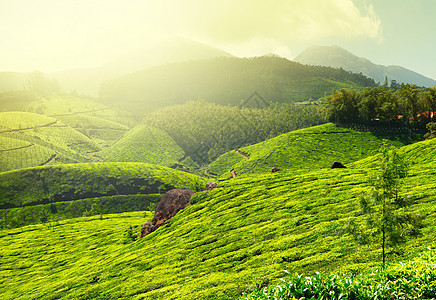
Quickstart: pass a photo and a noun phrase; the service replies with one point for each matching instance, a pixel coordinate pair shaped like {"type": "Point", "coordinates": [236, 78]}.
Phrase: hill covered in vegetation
{"type": "Point", "coordinates": [231, 240]}
{"type": "Point", "coordinates": [226, 81]}
{"type": "Point", "coordinates": [38, 130]}
{"type": "Point", "coordinates": [206, 130]}
{"type": "Point", "coordinates": [144, 144]}
{"type": "Point", "coordinates": [300, 150]}
{"type": "Point", "coordinates": [33, 194]}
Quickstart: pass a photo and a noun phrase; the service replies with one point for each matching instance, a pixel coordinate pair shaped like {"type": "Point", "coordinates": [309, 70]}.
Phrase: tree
{"type": "Point", "coordinates": [431, 134]}
{"type": "Point", "coordinates": [410, 102]}
{"type": "Point", "coordinates": [387, 216]}
{"type": "Point", "coordinates": [343, 107]}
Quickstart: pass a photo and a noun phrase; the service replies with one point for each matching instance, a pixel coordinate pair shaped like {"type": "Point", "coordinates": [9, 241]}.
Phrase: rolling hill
{"type": "Point", "coordinates": [336, 57]}
{"type": "Point", "coordinates": [71, 190]}
{"type": "Point", "coordinates": [225, 81]}
{"type": "Point", "coordinates": [300, 150]}
{"type": "Point", "coordinates": [144, 144]}
{"type": "Point", "coordinates": [231, 240]}
{"type": "Point", "coordinates": [32, 139]}
{"type": "Point", "coordinates": [56, 129]}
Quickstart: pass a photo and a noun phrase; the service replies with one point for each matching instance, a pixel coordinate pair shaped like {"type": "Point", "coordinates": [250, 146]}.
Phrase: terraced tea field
{"type": "Point", "coordinates": [305, 149]}
{"type": "Point", "coordinates": [230, 241]}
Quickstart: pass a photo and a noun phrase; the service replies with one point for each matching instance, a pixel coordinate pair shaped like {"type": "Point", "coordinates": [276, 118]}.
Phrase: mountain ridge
{"type": "Point", "coordinates": [335, 56]}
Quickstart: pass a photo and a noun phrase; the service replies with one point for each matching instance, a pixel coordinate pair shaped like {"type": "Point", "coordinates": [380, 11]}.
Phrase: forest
{"type": "Point", "coordinates": [408, 105]}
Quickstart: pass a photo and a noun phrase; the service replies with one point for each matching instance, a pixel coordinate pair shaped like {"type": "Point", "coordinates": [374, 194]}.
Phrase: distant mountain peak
{"type": "Point", "coordinates": [337, 57]}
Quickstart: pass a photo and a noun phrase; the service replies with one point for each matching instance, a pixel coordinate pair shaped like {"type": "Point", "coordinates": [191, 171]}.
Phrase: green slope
{"type": "Point", "coordinates": [36, 195]}
{"type": "Point", "coordinates": [225, 81]}
{"type": "Point", "coordinates": [207, 130]}
{"type": "Point", "coordinates": [239, 236]}
{"type": "Point", "coordinates": [144, 144]}
{"type": "Point", "coordinates": [309, 149]}
{"type": "Point", "coordinates": [68, 182]}
{"type": "Point", "coordinates": [34, 140]}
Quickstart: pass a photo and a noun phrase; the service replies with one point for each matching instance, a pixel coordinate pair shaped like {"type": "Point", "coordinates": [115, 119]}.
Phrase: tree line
{"type": "Point", "coordinates": [206, 130]}
{"type": "Point", "coordinates": [408, 105]}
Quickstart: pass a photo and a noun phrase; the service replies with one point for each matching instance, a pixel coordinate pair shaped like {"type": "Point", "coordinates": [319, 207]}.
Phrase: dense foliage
{"type": "Point", "coordinates": [41, 185]}
{"type": "Point", "coordinates": [408, 105]}
{"type": "Point", "coordinates": [431, 130]}
{"type": "Point", "coordinates": [226, 81]}
{"type": "Point", "coordinates": [205, 130]}
{"type": "Point", "coordinates": [415, 279]}
{"type": "Point", "coordinates": [232, 240]}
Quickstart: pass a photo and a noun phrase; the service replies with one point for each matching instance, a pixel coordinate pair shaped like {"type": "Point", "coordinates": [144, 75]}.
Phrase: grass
{"type": "Point", "coordinates": [230, 241]}
{"type": "Point", "coordinates": [304, 149]}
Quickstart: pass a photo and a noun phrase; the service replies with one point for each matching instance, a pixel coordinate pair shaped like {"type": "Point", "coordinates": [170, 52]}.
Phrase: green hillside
{"type": "Point", "coordinates": [32, 140]}
{"type": "Point", "coordinates": [56, 129]}
{"type": "Point", "coordinates": [231, 240]}
{"type": "Point", "coordinates": [144, 144]}
{"type": "Point", "coordinates": [304, 149]}
{"type": "Point", "coordinates": [67, 182]}
{"type": "Point", "coordinates": [70, 190]}
{"type": "Point", "coordinates": [207, 130]}
{"type": "Point", "coordinates": [225, 81]}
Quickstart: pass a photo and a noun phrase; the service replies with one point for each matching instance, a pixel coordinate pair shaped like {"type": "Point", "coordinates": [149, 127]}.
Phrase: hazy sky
{"type": "Point", "coordinates": [52, 35]}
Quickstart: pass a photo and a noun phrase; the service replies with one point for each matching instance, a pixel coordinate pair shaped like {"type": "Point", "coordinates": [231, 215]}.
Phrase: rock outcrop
{"type": "Point", "coordinates": [337, 165]}
{"type": "Point", "coordinates": [170, 204]}
{"type": "Point", "coordinates": [210, 186]}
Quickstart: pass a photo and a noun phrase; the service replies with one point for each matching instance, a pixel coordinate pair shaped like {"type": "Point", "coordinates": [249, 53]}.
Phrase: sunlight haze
{"type": "Point", "coordinates": [51, 35]}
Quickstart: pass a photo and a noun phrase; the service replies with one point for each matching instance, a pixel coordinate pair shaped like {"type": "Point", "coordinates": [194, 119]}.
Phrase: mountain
{"type": "Point", "coordinates": [156, 53]}
{"type": "Point", "coordinates": [337, 57]}
{"type": "Point", "coordinates": [226, 80]}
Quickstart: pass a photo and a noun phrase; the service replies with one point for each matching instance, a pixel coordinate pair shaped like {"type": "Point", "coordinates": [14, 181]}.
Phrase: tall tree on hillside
{"type": "Point", "coordinates": [409, 101]}
{"type": "Point", "coordinates": [343, 107]}
{"type": "Point", "coordinates": [386, 210]}
{"type": "Point", "coordinates": [429, 103]}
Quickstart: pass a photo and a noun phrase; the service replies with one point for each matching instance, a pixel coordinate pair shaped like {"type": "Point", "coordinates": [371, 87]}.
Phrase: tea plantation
{"type": "Point", "coordinates": [246, 234]}
{"type": "Point", "coordinates": [306, 149]}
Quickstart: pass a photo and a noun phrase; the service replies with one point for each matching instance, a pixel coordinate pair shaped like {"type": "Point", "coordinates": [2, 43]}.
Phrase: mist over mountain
{"type": "Point", "coordinates": [226, 80]}
{"type": "Point", "coordinates": [88, 80]}
{"type": "Point", "coordinates": [13, 81]}
{"type": "Point", "coordinates": [337, 57]}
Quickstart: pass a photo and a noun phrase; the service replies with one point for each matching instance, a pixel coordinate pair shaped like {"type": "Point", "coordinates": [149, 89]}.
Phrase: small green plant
{"type": "Point", "coordinates": [129, 235]}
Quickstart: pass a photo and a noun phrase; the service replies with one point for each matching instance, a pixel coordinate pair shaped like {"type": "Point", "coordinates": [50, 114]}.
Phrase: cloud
{"type": "Point", "coordinates": [239, 21]}
{"type": "Point", "coordinates": [64, 34]}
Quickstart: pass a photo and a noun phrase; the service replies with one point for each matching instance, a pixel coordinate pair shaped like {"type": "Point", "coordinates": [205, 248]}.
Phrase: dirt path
{"type": "Point", "coordinates": [28, 146]}
{"type": "Point", "coordinates": [29, 128]}
{"type": "Point", "coordinates": [242, 154]}
{"type": "Point", "coordinates": [50, 159]}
